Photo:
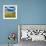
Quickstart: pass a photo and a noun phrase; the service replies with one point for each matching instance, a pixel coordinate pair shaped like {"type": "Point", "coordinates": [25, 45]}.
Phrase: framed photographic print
{"type": "Point", "coordinates": [9, 11]}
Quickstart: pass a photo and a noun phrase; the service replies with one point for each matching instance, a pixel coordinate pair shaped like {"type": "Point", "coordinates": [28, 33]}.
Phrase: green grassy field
{"type": "Point", "coordinates": [10, 15]}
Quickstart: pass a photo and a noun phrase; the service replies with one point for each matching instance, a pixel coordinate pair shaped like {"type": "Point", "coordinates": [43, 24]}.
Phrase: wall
{"type": "Point", "coordinates": [7, 26]}
{"type": "Point", "coordinates": [33, 12]}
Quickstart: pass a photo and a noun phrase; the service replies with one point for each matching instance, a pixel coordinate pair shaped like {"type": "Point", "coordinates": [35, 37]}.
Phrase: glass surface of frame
{"type": "Point", "coordinates": [9, 11]}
